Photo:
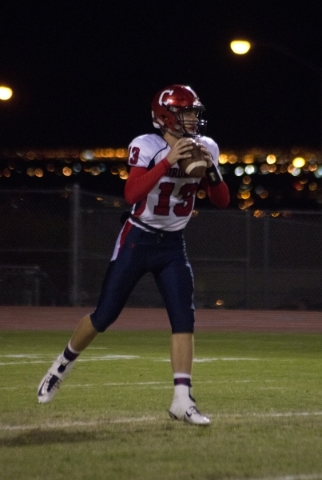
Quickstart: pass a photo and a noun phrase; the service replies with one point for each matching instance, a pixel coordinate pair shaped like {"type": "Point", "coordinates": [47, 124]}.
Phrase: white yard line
{"type": "Point", "coordinates": [269, 415]}
{"type": "Point", "coordinates": [94, 385]}
{"type": "Point", "coordinates": [33, 359]}
{"type": "Point", "coordinates": [310, 476]}
{"type": "Point", "coordinates": [89, 359]}
{"type": "Point", "coordinates": [165, 384]}
{"type": "Point", "coordinates": [5, 364]}
{"type": "Point", "coordinates": [158, 418]}
{"type": "Point", "coordinates": [76, 424]}
{"type": "Point", "coordinates": [140, 384]}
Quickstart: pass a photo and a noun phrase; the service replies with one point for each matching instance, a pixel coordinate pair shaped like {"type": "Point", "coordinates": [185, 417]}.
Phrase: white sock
{"type": "Point", "coordinates": [72, 349]}
{"type": "Point", "coordinates": [70, 354]}
{"type": "Point", "coordinates": [179, 375]}
{"type": "Point", "coordinates": [182, 389]}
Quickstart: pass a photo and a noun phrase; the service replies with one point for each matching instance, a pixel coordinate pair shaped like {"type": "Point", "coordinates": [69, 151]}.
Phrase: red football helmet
{"type": "Point", "coordinates": [168, 106]}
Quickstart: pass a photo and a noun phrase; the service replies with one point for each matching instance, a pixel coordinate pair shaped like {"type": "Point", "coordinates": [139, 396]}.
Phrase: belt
{"type": "Point", "coordinates": [158, 231]}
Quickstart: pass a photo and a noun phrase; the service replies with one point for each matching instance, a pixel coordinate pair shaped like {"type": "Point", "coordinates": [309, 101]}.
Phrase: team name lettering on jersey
{"type": "Point", "coordinates": [175, 173]}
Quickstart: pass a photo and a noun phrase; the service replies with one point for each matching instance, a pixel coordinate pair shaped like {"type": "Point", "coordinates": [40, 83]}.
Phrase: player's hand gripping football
{"type": "Point", "coordinates": [180, 150]}
{"type": "Point", "coordinates": [207, 155]}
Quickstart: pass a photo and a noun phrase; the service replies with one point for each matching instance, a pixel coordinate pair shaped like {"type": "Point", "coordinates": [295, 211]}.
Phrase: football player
{"type": "Point", "coordinates": [152, 240]}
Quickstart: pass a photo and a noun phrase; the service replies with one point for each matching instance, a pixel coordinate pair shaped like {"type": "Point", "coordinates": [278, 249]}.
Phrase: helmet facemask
{"type": "Point", "coordinates": [190, 127]}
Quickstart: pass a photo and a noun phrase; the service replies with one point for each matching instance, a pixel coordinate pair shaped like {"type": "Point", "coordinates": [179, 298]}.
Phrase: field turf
{"type": "Point", "coordinates": [109, 420]}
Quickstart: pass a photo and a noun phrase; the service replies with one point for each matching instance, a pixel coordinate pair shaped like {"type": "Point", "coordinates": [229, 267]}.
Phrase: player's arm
{"type": "Point", "coordinates": [217, 190]}
{"type": "Point", "coordinates": [219, 195]}
{"type": "Point", "coordinates": [141, 180]}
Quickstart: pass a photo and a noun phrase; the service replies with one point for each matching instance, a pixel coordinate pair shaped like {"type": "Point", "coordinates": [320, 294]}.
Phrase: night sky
{"type": "Point", "coordinates": [84, 73]}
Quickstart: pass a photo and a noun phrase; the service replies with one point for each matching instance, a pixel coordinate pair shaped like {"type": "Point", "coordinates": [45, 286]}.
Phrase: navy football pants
{"type": "Point", "coordinates": [165, 256]}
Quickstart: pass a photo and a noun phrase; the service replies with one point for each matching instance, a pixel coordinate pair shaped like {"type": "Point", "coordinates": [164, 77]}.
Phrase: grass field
{"type": "Point", "coordinates": [109, 420]}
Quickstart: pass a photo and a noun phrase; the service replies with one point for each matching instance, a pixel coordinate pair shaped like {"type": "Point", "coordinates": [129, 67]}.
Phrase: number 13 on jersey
{"type": "Point", "coordinates": [181, 209]}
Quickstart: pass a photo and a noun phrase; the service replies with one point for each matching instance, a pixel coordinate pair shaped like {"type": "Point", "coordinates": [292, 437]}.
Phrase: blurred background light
{"type": "Point", "coordinates": [270, 159]}
{"type": "Point", "coordinates": [318, 172]}
{"type": "Point", "coordinates": [240, 47]}
{"type": "Point", "coordinates": [87, 155]}
{"type": "Point", "coordinates": [250, 169]}
{"type": "Point", "coordinates": [239, 171]}
{"type": "Point", "coordinates": [298, 162]}
{"type": "Point", "coordinates": [5, 93]}
{"type": "Point", "coordinates": [201, 194]}
{"type": "Point", "coordinates": [67, 171]}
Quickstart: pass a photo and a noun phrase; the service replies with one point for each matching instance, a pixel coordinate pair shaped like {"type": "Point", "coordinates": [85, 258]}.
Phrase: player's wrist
{"type": "Point", "coordinates": [167, 163]}
{"type": "Point", "coordinates": [214, 176]}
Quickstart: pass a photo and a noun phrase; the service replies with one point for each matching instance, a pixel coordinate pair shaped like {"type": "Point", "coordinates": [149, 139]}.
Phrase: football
{"type": "Point", "coordinates": [196, 165]}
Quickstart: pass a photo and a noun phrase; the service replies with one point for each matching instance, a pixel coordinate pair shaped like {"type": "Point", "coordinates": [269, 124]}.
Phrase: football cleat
{"type": "Point", "coordinates": [51, 382]}
{"type": "Point", "coordinates": [190, 415]}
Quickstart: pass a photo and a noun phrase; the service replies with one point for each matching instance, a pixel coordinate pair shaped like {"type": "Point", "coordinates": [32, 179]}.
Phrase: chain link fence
{"type": "Point", "coordinates": [55, 246]}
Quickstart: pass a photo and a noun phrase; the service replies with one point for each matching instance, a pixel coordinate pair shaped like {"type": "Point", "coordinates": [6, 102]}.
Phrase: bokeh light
{"type": "Point", "coordinates": [5, 93]}
{"type": "Point", "coordinates": [240, 47]}
{"type": "Point", "coordinates": [251, 175]}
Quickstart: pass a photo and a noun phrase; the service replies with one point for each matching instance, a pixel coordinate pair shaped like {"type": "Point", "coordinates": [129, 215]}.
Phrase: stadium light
{"type": "Point", "coordinates": [243, 46]}
{"type": "Point", "coordinates": [5, 92]}
{"type": "Point", "coordinates": [240, 47]}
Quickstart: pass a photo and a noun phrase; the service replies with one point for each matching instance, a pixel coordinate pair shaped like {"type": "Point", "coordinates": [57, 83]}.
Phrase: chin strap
{"type": "Point", "coordinates": [214, 176]}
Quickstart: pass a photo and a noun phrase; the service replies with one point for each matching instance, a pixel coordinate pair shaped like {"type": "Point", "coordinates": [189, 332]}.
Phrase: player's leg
{"type": "Point", "coordinates": [121, 277]}
{"type": "Point", "coordinates": [83, 335]}
{"type": "Point", "coordinates": [86, 331]}
{"type": "Point", "coordinates": [182, 347]}
{"type": "Point", "coordinates": [175, 282]}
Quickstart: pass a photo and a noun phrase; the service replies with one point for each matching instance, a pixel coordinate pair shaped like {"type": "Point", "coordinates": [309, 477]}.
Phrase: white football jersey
{"type": "Point", "coordinates": [169, 204]}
